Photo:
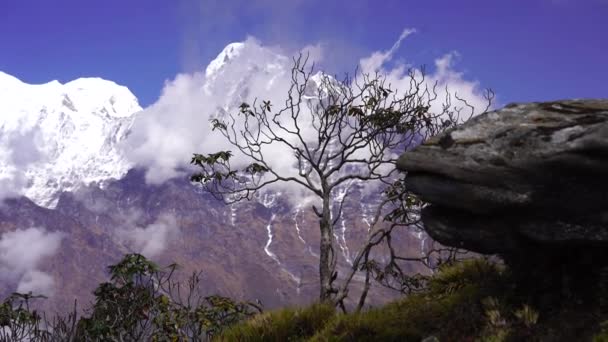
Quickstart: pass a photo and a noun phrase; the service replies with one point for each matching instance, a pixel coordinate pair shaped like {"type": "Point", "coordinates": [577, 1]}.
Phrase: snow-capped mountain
{"type": "Point", "coordinates": [240, 66]}
{"type": "Point", "coordinates": [56, 137]}
{"type": "Point", "coordinates": [85, 149]}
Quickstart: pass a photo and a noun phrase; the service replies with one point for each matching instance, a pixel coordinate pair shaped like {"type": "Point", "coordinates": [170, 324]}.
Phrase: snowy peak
{"type": "Point", "coordinates": [82, 95]}
{"type": "Point", "coordinates": [230, 52]}
{"type": "Point", "coordinates": [57, 137]}
{"type": "Point", "coordinates": [6, 79]}
{"type": "Point", "coordinates": [102, 95]}
{"type": "Point", "coordinates": [245, 57]}
{"type": "Point", "coordinates": [70, 131]}
{"type": "Point", "coordinates": [241, 65]}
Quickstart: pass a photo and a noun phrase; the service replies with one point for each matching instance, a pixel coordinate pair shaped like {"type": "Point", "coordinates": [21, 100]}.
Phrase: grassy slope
{"type": "Point", "coordinates": [469, 301]}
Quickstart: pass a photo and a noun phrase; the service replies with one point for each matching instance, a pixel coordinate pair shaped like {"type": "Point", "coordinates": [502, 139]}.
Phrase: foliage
{"type": "Point", "coordinates": [602, 335]}
{"type": "Point", "coordinates": [472, 300]}
{"type": "Point", "coordinates": [140, 303]}
{"type": "Point", "coordinates": [17, 321]}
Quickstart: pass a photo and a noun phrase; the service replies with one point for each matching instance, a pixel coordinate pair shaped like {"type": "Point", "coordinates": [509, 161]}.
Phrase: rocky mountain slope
{"type": "Point", "coordinates": [257, 250]}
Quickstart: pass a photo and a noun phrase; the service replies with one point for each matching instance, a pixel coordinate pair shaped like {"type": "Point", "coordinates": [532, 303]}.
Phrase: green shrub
{"type": "Point", "coordinates": [139, 303]}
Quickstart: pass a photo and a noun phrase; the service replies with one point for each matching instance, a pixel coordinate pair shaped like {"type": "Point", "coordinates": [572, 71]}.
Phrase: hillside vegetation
{"type": "Point", "coordinates": [473, 300]}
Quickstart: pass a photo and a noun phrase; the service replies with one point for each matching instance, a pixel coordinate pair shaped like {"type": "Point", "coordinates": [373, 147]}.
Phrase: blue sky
{"type": "Point", "coordinates": [526, 50]}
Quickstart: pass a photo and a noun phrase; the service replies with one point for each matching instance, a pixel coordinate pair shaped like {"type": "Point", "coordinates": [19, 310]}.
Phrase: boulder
{"type": "Point", "coordinates": [528, 176]}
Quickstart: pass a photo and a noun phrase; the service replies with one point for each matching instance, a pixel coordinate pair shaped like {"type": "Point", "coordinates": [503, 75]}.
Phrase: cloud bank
{"type": "Point", "coordinates": [448, 81]}
{"type": "Point", "coordinates": [165, 135]}
{"type": "Point", "coordinates": [150, 240]}
{"type": "Point", "coordinates": [21, 252]}
{"type": "Point", "coordinates": [18, 150]}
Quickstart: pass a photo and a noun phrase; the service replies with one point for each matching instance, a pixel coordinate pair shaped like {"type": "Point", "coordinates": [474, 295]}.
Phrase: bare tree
{"type": "Point", "coordinates": [400, 209]}
{"type": "Point", "coordinates": [345, 131]}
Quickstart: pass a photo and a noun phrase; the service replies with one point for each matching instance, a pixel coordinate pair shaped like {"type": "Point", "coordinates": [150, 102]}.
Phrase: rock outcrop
{"type": "Point", "coordinates": [528, 177]}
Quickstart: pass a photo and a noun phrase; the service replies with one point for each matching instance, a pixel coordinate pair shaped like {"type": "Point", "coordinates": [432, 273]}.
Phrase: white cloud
{"type": "Point", "coordinates": [166, 134]}
{"type": "Point", "coordinates": [150, 240]}
{"type": "Point", "coordinates": [18, 149]}
{"type": "Point", "coordinates": [315, 53]}
{"type": "Point", "coordinates": [21, 252]}
{"type": "Point", "coordinates": [171, 129]}
{"type": "Point", "coordinates": [448, 81]}
{"type": "Point", "coordinates": [374, 62]}
{"type": "Point", "coordinates": [36, 282]}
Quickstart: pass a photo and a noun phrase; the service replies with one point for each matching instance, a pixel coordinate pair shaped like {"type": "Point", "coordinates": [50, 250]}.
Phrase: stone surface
{"type": "Point", "coordinates": [527, 174]}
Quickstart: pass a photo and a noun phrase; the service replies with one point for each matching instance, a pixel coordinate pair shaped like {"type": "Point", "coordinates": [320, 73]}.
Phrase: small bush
{"type": "Point", "coordinates": [139, 303]}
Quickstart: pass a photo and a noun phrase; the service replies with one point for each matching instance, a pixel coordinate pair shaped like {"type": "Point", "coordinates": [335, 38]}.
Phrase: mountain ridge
{"type": "Point", "coordinates": [105, 206]}
{"type": "Point", "coordinates": [69, 133]}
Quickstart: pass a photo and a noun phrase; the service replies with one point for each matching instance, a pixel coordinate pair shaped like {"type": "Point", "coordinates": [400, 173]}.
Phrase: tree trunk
{"type": "Point", "coordinates": [326, 252]}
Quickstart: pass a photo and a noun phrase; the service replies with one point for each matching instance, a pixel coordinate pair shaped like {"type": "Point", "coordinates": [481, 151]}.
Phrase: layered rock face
{"type": "Point", "coordinates": [526, 179]}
